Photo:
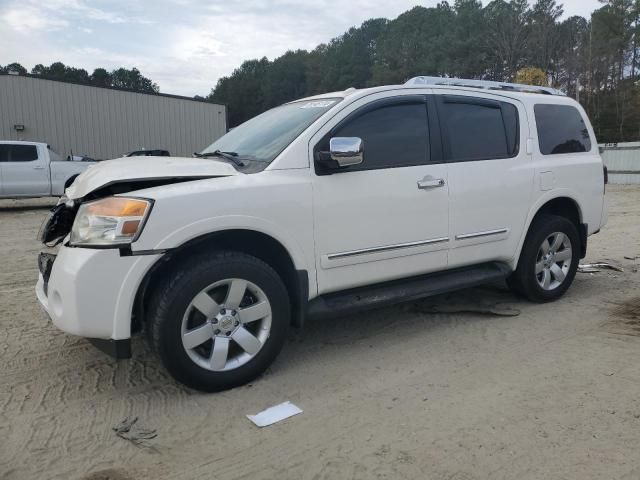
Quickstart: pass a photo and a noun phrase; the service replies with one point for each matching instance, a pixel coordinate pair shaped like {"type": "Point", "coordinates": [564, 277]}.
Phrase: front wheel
{"type": "Point", "coordinates": [219, 320]}
{"type": "Point", "coordinates": [549, 259]}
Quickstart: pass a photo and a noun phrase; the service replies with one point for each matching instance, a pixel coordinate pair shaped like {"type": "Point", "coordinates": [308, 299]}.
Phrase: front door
{"type": "Point", "coordinates": [387, 217]}
{"type": "Point", "coordinates": [25, 171]}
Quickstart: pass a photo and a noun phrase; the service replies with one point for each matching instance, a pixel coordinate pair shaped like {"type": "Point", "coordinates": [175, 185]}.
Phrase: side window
{"type": "Point", "coordinates": [561, 129]}
{"type": "Point", "coordinates": [478, 129]}
{"type": "Point", "coordinates": [393, 135]}
{"type": "Point", "coordinates": [18, 153]}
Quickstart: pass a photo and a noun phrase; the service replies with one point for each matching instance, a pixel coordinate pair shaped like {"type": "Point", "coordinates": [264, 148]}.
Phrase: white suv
{"type": "Point", "coordinates": [326, 205]}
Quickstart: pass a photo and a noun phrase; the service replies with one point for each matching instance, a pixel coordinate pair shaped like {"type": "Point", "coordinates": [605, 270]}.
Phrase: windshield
{"type": "Point", "coordinates": [263, 137]}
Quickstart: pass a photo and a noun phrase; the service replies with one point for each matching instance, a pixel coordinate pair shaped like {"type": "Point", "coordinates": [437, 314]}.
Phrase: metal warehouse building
{"type": "Point", "coordinates": [104, 123]}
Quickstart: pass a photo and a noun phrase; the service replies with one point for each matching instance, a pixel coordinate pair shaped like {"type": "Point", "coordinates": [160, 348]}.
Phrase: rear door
{"type": "Point", "coordinates": [490, 175]}
{"type": "Point", "coordinates": [25, 171]}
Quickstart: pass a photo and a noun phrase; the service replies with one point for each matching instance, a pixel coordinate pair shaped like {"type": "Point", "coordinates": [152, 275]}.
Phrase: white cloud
{"type": "Point", "coordinates": [187, 43]}
{"type": "Point", "coordinates": [29, 19]}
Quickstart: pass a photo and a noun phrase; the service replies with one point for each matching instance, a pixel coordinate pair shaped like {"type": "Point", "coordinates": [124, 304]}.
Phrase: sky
{"type": "Point", "coordinates": [184, 45]}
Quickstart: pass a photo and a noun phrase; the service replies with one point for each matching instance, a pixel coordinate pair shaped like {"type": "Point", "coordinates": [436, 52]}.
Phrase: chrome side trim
{"type": "Point", "coordinates": [399, 246]}
{"type": "Point", "coordinates": [488, 233]}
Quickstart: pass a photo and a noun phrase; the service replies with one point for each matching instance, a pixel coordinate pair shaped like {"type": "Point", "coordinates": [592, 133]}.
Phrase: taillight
{"type": "Point", "coordinates": [606, 175]}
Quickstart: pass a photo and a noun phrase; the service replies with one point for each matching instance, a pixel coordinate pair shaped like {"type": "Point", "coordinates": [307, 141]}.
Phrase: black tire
{"type": "Point", "coordinates": [172, 297]}
{"type": "Point", "coordinates": [524, 280]}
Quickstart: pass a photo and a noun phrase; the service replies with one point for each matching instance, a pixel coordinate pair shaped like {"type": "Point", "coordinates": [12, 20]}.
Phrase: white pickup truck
{"type": "Point", "coordinates": [32, 169]}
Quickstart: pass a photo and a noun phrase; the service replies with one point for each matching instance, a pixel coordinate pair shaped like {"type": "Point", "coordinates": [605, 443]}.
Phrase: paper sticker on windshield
{"type": "Point", "coordinates": [318, 104]}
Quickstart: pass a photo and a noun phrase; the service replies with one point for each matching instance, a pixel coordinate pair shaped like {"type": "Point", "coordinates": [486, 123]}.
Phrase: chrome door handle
{"type": "Point", "coordinates": [38, 167]}
{"type": "Point", "coordinates": [430, 182]}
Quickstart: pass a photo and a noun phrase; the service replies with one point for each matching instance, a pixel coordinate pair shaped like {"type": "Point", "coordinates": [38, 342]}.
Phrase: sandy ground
{"type": "Point", "coordinates": [397, 393]}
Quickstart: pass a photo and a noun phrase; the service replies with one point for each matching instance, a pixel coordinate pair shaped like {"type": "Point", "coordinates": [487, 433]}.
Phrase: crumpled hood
{"type": "Point", "coordinates": [110, 172]}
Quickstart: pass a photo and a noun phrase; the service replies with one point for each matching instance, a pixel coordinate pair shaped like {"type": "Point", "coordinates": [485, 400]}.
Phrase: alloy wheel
{"type": "Point", "coordinates": [553, 261]}
{"type": "Point", "coordinates": [226, 324]}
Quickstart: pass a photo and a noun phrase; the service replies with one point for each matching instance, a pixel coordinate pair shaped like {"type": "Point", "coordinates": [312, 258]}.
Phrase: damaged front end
{"type": "Point", "coordinates": [59, 221]}
{"type": "Point", "coordinates": [57, 225]}
{"type": "Point", "coordinates": [90, 231]}
{"type": "Point", "coordinates": [121, 176]}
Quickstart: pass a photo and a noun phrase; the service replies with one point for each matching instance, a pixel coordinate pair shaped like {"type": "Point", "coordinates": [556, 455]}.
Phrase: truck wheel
{"type": "Point", "coordinates": [549, 259]}
{"type": "Point", "coordinates": [219, 320]}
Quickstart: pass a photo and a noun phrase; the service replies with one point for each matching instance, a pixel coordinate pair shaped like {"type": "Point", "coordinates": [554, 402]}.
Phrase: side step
{"type": "Point", "coordinates": [388, 293]}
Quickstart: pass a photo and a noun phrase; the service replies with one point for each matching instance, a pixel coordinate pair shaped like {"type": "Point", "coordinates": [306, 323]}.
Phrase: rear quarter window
{"type": "Point", "coordinates": [561, 130]}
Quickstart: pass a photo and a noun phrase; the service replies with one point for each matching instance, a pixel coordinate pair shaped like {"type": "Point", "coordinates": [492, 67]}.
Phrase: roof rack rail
{"type": "Point", "coordinates": [486, 84]}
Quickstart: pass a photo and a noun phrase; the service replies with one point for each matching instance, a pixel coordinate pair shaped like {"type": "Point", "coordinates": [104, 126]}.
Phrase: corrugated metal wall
{"type": "Point", "coordinates": [104, 123]}
{"type": "Point", "coordinates": [623, 162]}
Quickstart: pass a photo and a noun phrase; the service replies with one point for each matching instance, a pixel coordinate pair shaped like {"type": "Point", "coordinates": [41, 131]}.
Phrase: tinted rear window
{"type": "Point", "coordinates": [479, 129]}
{"type": "Point", "coordinates": [561, 129]}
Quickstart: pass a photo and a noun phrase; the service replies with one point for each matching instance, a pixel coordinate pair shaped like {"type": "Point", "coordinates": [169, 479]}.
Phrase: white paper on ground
{"type": "Point", "coordinates": [274, 414]}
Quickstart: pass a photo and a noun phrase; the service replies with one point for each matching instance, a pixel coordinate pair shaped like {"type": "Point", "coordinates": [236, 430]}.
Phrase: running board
{"type": "Point", "coordinates": [388, 293]}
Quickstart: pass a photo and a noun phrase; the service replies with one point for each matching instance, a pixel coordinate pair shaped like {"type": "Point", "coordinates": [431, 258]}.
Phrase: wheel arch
{"type": "Point", "coordinates": [58, 187]}
{"type": "Point", "coordinates": [252, 242]}
{"type": "Point", "coordinates": [69, 181]}
{"type": "Point", "coordinates": [563, 205]}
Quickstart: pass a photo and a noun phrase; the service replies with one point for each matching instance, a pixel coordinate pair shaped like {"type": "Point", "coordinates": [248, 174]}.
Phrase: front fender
{"type": "Point", "coordinates": [234, 222]}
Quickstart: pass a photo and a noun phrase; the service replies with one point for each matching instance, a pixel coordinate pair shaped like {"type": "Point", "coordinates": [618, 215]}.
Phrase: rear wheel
{"type": "Point", "coordinates": [219, 320]}
{"type": "Point", "coordinates": [549, 259]}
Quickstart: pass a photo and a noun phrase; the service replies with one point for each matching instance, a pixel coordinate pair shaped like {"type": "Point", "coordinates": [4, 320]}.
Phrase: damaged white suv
{"type": "Point", "coordinates": [324, 206]}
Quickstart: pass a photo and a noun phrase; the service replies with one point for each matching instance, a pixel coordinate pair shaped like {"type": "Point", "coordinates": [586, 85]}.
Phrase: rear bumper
{"type": "Point", "coordinates": [91, 292]}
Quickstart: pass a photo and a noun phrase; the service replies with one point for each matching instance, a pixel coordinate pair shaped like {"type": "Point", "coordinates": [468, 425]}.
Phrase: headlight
{"type": "Point", "coordinates": [110, 221]}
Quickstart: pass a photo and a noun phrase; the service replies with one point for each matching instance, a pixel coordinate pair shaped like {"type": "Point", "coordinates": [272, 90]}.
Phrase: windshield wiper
{"type": "Point", "coordinates": [231, 156]}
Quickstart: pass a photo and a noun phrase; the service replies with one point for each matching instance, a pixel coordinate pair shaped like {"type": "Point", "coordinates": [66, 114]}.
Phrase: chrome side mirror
{"type": "Point", "coordinates": [346, 151]}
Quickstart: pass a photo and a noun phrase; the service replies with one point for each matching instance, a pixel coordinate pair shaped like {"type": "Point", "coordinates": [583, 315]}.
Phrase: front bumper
{"type": "Point", "coordinates": [91, 292]}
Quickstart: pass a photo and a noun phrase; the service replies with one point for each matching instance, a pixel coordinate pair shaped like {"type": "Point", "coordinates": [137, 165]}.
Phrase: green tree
{"type": "Point", "coordinates": [571, 69]}
{"type": "Point", "coordinates": [346, 61]}
{"type": "Point", "coordinates": [59, 71]}
{"type": "Point", "coordinates": [243, 92]}
{"type": "Point", "coordinates": [545, 36]}
{"type": "Point", "coordinates": [468, 56]}
{"type": "Point", "coordinates": [285, 79]}
{"type": "Point", "coordinates": [415, 43]}
{"type": "Point", "coordinates": [507, 39]}
{"type": "Point", "coordinates": [132, 80]}
{"type": "Point", "coordinates": [13, 67]}
{"type": "Point", "coordinates": [101, 78]}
